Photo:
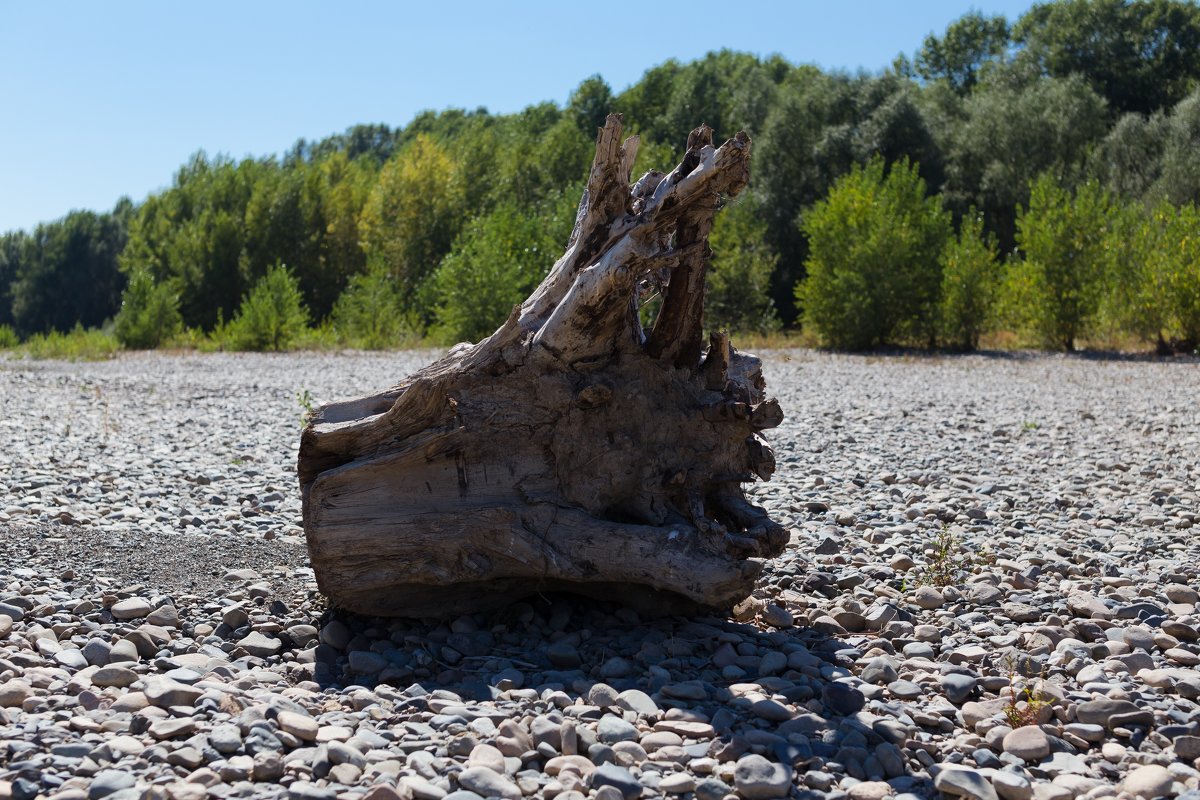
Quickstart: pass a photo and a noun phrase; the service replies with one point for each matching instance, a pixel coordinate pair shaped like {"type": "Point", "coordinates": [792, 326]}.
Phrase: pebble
{"type": "Point", "coordinates": [1029, 743]}
{"type": "Point", "coordinates": [1149, 781]}
{"type": "Point", "coordinates": [488, 783]}
{"type": "Point", "coordinates": [964, 783]}
{"type": "Point", "coordinates": [756, 778]}
{"type": "Point", "coordinates": [1079, 576]}
{"type": "Point", "coordinates": [131, 608]}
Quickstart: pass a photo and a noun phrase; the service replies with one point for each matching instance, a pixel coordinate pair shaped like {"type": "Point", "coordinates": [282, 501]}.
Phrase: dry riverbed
{"type": "Point", "coordinates": [991, 591]}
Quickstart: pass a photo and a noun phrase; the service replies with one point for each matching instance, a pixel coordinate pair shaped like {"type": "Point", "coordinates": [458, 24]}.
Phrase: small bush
{"type": "Point", "coordinates": [969, 273]}
{"type": "Point", "coordinates": [1180, 270]}
{"type": "Point", "coordinates": [739, 277]}
{"type": "Point", "coordinates": [90, 344]}
{"type": "Point", "coordinates": [495, 263]}
{"type": "Point", "coordinates": [369, 313]}
{"type": "Point", "coordinates": [873, 271]}
{"type": "Point", "coordinates": [8, 338]}
{"type": "Point", "coordinates": [1057, 289]}
{"type": "Point", "coordinates": [149, 314]}
{"type": "Point", "coordinates": [271, 317]}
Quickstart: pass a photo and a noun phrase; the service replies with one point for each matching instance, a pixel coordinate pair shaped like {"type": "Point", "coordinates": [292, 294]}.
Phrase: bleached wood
{"type": "Point", "coordinates": [569, 449]}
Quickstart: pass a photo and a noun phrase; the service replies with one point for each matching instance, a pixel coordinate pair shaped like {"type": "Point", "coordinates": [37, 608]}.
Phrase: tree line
{"type": "Point", "coordinates": [1039, 176]}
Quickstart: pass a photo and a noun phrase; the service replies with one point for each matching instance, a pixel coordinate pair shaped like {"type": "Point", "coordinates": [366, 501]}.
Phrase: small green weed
{"type": "Point", "coordinates": [305, 399]}
{"type": "Point", "coordinates": [1030, 425]}
{"type": "Point", "coordinates": [1025, 707]}
{"type": "Point", "coordinates": [950, 562]}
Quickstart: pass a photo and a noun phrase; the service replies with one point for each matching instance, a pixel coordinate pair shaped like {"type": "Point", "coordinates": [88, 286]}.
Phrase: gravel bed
{"type": "Point", "coordinates": [991, 592]}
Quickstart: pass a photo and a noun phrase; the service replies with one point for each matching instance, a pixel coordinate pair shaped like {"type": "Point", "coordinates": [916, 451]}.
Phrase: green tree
{"type": "Point", "coordinates": [496, 262]}
{"type": "Point", "coordinates": [1159, 272]}
{"type": "Point", "coordinates": [590, 103]}
{"type": "Point", "coordinates": [12, 252]}
{"type": "Point", "coordinates": [1129, 159]}
{"type": "Point", "coordinates": [1182, 268]}
{"type": "Point", "coordinates": [739, 276]}
{"type": "Point", "coordinates": [194, 235]}
{"type": "Point", "coordinates": [969, 282]}
{"type": "Point", "coordinates": [969, 43]}
{"type": "Point", "coordinates": [1011, 134]}
{"type": "Point", "coordinates": [1064, 236]}
{"type": "Point", "coordinates": [1179, 177]}
{"type": "Point", "coordinates": [414, 212]}
{"type": "Point", "coordinates": [149, 314]}
{"type": "Point", "coordinates": [67, 272]}
{"type": "Point", "coordinates": [873, 272]}
{"type": "Point", "coordinates": [272, 315]}
{"type": "Point", "coordinates": [370, 313]}
{"type": "Point", "coordinates": [1134, 296]}
{"type": "Point", "coordinates": [1140, 55]}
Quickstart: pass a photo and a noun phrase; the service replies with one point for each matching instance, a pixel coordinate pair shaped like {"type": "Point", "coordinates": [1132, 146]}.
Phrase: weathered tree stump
{"type": "Point", "coordinates": [570, 449]}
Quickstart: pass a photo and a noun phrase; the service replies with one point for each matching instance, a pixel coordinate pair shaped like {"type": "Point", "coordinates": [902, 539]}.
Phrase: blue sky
{"type": "Point", "coordinates": [109, 99]}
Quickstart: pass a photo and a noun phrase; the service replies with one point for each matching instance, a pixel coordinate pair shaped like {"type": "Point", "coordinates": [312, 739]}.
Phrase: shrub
{"type": "Point", "coordinates": [968, 284]}
{"type": "Point", "coordinates": [1178, 272]}
{"type": "Point", "coordinates": [271, 316]}
{"type": "Point", "coordinates": [1057, 289]}
{"type": "Point", "coordinates": [369, 312]}
{"type": "Point", "coordinates": [1133, 298]}
{"type": "Point", "coordinates": [88, 344]}
{"type": "Point", "coordinates": [739, 277]}
{"type": "Point", "coordinates": [874, 245]}
{"type": "Point", "coordinates": [497, 261]}
{"type": "Point", "coordinates": [149, 314]}
{"type": "Point", "coordinates": [8, 337]}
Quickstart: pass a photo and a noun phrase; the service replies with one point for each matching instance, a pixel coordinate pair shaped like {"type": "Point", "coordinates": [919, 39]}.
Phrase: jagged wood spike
{"type": "Point", "coordinates": [567, 450]}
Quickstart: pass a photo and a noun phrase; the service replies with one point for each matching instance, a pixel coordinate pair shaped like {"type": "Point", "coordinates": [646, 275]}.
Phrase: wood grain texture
{"type": "Point", "coordinates": [570, 449]}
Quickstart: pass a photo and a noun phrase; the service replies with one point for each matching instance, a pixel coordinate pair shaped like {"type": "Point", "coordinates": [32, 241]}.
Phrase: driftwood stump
{"type": "Point", "coordinates": [570, 449]}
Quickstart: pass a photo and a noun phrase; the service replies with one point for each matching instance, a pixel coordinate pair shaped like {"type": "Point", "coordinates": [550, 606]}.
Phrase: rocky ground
{"type": "Point", "coordinates": [991, 592]}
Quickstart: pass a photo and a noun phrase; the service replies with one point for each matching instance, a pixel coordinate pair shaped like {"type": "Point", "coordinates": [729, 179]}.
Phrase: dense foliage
{"type": "Point", "coordinates": [1038, 175]}
{"type": "Point", "coordinates": [873, 272]}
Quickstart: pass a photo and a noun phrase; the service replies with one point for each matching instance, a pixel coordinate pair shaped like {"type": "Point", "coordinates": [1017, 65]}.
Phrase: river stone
{"type": "Point", "coordinates": [677, 783]}
{"type": "Point", "coordinates": [225, 738]}
{"type": "Point", "coordinates": [1187, 747]}
{"type": "Point", "coordinates": [1011, 786]}
{"type": "Point", "coordinates": [301, 726]}
{"type": "Point", "coordinates": [14, 693]}
{"type": "Point", "coordinates": [928, 598]}
{"type": "Point", "coordinates": [108, 781]}
{"type": "Point", "coordinates": [260, 645]}
{"type": "Point", "coordinates": [964, 783]}
{"type": "Point", "coordinates": [164, 616]}
{"type": "Point", "coordinates": [613, 729]}
{"type": "Point", "coordinates": [1028, 742]}
{"type": "Point", "coordinates": [132, 608]}
{"type": "Point", "coordinates": [488, 783]}
{"type": "Point", "coordinates": [842, 700]}
{"type": "Point", "coordinates": [619, 778]}
{"type": "Point", "coordinates": [957, 687]}
{"type": "Point", "coordinates": [1088, 606]}
{"type": "Point", "coordinates": [1148, 782]}
{"type": "Point", "coordinates": [1101, 711]}
{"type": "Point", "coordinates": [870, 790]}
{"type": "Point", "coordinates": [879, 670]}
{"type": "Point", "coordinates": [164, 692]}
{"type": "Point", "coordinates": [756, 778]}
{"type": "Point", "coordinates": [638, 702]}
{"type": "Point", "coordinates": [119, 677]}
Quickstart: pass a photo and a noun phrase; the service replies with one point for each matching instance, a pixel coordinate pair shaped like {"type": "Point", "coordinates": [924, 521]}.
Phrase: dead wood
{"type": "Point", "coordinates": [571, 449]}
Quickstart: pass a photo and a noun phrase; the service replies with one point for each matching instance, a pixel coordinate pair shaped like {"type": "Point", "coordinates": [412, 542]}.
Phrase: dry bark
{"type": "Point", "coordinates": [571, 449]}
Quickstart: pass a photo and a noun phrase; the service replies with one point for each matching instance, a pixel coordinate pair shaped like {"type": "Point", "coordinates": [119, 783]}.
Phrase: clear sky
{"type": "Point", "coordinates": [104, 99]}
